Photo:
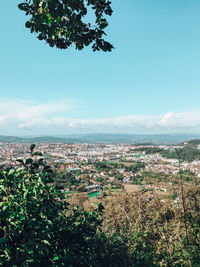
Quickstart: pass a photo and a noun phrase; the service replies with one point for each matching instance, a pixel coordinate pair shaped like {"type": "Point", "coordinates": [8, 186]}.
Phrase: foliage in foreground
{"type": "Point", "coordinates": [38, 228]}
{"type": "Point", "coordinates": [157, 233]}
{"type": "Point", "coordinates": [63, 23]}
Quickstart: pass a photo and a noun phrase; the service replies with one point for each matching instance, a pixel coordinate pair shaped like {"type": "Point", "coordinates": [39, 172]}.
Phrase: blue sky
{"type": "Point", "coordinates": [149, 83]}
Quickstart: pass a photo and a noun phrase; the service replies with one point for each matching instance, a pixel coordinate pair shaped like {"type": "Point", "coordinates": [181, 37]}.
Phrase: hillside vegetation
{"type": "Point", "coordinates": [186, 153]}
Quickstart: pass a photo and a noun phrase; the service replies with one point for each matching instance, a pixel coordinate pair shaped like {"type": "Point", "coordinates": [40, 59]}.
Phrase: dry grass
{"type": "Point", "coordinates": [131, 188]}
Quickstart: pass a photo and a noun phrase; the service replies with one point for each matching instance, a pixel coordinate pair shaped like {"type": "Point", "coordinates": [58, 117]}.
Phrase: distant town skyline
{"type": "Point", "coordinates": [149, 84]}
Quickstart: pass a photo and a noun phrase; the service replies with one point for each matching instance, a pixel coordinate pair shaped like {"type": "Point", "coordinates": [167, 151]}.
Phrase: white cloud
{"type": "Point", "coordinates": [165, 119]}
{"type": "Point", "coordinates": [19, 117]}
{"type": "Point", "coordinates": [21, 114]}
{"type": "Point", "coordinates": [26, 110]}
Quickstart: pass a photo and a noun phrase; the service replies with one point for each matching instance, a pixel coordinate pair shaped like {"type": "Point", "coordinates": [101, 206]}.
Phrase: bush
{"type": "Point", "coordinates": [36, 227]}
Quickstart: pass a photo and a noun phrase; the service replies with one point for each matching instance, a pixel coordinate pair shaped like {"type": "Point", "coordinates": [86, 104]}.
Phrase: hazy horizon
{"type": "Point", "coordinates": [102, 133]}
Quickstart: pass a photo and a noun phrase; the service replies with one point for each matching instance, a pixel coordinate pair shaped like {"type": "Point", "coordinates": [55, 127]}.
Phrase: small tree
{"type": "Point", "coordinates": [36, 227]}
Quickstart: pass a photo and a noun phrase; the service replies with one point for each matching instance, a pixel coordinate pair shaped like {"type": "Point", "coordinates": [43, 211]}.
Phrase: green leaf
{"type": "Point", "coordinates": [28, 24]}
{"type": "Point", "coordinates": [46, 242]}
{"type": "Point", "coordinates": [11, 172]}
{"type": "Point", "coordinates": [37, 153]}
{"type": "Point", "coordinates": [175, 254]}
{"type": "Point", "coordinates": [29, 161]}
{"type": "Point", "coordinates": [19, 170]}
{"type": "Point", "coordinates": [32, 147]}
{"type": "Point", "coordinates": [5, 208]}
{"type": "Point", "coordinates": [56, 258]}
{"type": "Point", "coordinates": [3, 188]}
{"type": "Point", "coordinates": [20, 161]}
{"type": "Point", "coordinates": [41, 161]}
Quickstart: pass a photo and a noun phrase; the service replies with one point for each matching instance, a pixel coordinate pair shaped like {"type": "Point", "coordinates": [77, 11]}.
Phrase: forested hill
{"type": "Point", "coordinates": [42, 139]}
{"type": "Point", "coordinates": [167, 139]}
{"type": "Point", "coordinates": [194, 142]}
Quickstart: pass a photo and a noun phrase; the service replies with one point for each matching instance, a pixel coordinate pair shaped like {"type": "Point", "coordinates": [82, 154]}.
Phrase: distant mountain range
{"type": "Point", "coordinates": [168, 139]}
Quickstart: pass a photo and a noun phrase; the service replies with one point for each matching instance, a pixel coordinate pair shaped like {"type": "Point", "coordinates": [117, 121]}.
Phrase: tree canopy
{"type": "Point", "coordinates": [62, 23]}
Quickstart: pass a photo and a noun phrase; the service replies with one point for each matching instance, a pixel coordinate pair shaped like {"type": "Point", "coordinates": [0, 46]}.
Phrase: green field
{"type": "Point", "coordinates": [94, 194]}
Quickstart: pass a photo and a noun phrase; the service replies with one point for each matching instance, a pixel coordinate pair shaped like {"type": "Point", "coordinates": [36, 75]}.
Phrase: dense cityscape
{"type": "Point", "coordinates": [96, 167]}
